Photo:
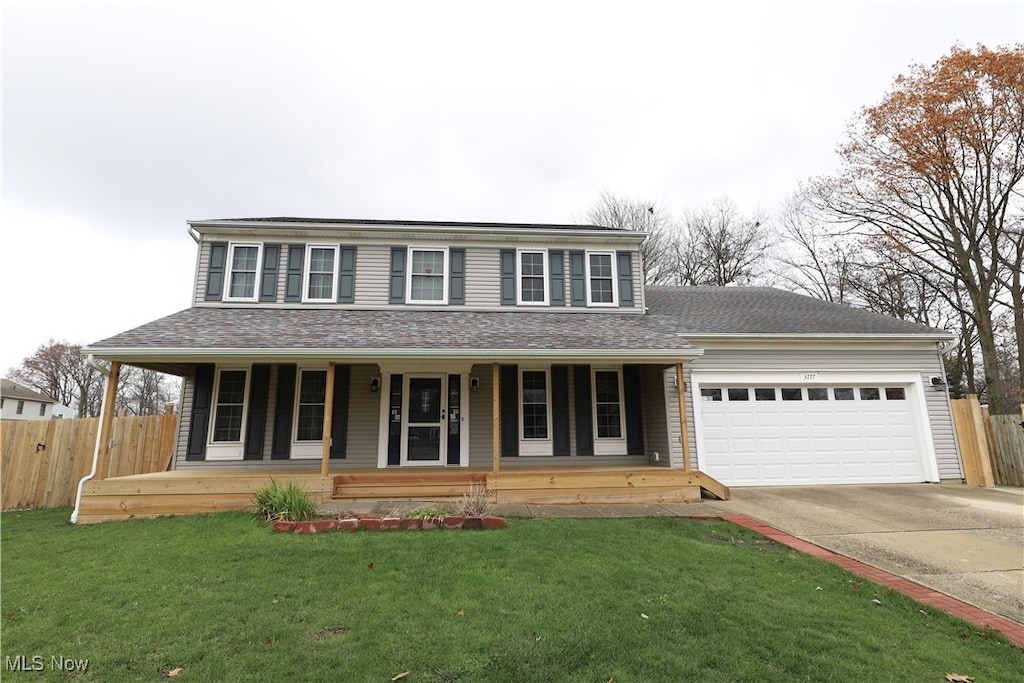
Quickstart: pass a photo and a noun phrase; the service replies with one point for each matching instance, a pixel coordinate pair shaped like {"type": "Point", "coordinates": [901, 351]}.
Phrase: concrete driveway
{"type": "Point", "coordinates": [963, 541]}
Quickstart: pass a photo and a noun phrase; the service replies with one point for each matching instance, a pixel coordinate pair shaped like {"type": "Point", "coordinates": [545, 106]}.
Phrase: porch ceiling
{"type": "Point", "coordinates": [208, 334]}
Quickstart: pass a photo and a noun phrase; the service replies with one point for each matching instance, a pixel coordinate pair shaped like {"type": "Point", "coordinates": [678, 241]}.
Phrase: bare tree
{"type": "Point", "coordinates": [657, 251]}
{"type": "Point", "coordinates": [820, 260]}
{"type": "Point", "coordinates": [935, 168]}
{"type": "Point", "coordinates": [145, 392]}
{"type": "Point", "coordinates": [59, 370]}
{"type": "Point", "coordinates": [720, 246]}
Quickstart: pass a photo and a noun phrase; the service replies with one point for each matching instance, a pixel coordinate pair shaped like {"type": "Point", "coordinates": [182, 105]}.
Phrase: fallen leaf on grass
{"type": "Point", "coordinates": [877, 602]}
{"type": "Point", "coordinates": [9, 615]}
{"type": "Point", "coordinates": [174, 672]}
{"type": "Point", "coordinates": [818, 588]}
{"type": "Point", "coordinates": [401, 675]}
{"type": "Point", "coordinates": [370, 566]}
{"type": "Point", "coordinates": [644, 616]}
{"type": "Point", "coordinates": [959, 678]}
{"type": "Point", "coordinates": [461, 612]}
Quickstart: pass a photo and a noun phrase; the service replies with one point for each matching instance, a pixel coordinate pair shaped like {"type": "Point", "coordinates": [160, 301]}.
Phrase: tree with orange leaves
{"type": "Point", "coordinates": [936, 169]}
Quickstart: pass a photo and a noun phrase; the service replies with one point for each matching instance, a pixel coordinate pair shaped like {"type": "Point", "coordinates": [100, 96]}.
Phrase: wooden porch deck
{"type": "Point", "coordinates": [182, 492]}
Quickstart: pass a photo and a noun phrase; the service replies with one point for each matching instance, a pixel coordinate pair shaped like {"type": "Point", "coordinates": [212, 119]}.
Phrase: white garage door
{"type": "Point", "coordinates": [837, 434]}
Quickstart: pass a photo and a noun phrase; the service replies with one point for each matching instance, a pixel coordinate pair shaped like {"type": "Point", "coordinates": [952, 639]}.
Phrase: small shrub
{"type": "Point", "coordinates": [287, 502]}
{"type": "Point", "coordinates": [474, 503]}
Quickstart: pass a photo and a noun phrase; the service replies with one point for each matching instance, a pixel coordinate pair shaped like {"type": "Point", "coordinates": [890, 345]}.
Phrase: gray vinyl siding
{"type": "Point", "coordinates": [363, 419]}
{"type": "Point", "coordinates": [373, 266]}
{"type": "Point", "coordinates": [481, 419]}
{"type": "Point", "coordinates": [202, 269]}
{"type": "Point", "coordinates": [373, 273]}
{"type": "Point", "coordinates": [184, 421]}
{"type": "Point", "coordinates": [656, 430]}
{"type": "Point", "coordinates": [483, 277]}
{"type": "Point", "coordinates": [924, 361]}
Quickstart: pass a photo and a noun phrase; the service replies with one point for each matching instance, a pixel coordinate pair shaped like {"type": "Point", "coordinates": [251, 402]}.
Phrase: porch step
{"type": "Point", "coordinates": [405, 484]}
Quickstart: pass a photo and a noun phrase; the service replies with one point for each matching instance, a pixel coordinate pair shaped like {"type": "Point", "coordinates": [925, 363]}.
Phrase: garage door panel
{"type": "Point", "coordinates": [811, 442]}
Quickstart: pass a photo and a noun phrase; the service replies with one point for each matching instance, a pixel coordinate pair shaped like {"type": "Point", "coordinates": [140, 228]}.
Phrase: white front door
{"type": "Point", "coordinates": [424, 437]}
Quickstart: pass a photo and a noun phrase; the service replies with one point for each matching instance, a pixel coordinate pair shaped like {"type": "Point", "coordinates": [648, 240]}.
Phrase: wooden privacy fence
{"type": "Point", "coordinates": [991, 446]}
{"type": "Point", "coordinates": [41, 461]}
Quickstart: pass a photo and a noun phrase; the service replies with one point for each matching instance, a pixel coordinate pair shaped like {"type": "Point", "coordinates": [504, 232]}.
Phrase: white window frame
{"type": "Point", "coordinates": [615, 279]}
{"type": "Point", "coordinates": [228, 450]}
{"type": "Point", "coordinates": [229, 271]}
{"type": "Point", "coordinates": [305, 449]}
{"type": "Point", "coordinates": [443, 301]}
{"type": "Point", "coordinates": [533, 446]}
{"type": "Point", "coordinates": [307, 274]}
{"type": "Point", "coordinates": [546, 277]}
{"type": "Point", "coordinates": [20, 410]}
{"type": "Point", "coordinates": [614, 445]}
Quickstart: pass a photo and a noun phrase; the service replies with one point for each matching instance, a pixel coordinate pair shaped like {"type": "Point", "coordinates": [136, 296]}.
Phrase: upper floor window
{"type": "Point", "coordinates": [428, 276]}
{"type": "Point", "coordinates": [601, 279]}
{"type": "Point", "coordinates": [532, 278]}
{"type": "Point", "coordinates": [321, 270]}
{"type": "Point", "coordinates": [243, 268]}
{"type": "Point", "coordinates": [229, 408]}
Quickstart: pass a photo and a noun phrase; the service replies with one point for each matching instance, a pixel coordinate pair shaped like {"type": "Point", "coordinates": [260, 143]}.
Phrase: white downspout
{"type": "Point", "coordinates": [99, 435]}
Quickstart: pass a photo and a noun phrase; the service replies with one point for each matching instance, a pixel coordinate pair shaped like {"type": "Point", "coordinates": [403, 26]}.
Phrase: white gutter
{"type": "Point", "coordinates": [99, 435]}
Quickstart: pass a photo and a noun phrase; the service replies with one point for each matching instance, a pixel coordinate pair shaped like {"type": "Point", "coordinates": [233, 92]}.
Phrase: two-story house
{"type": "Point", "coordinates": [409, 358]}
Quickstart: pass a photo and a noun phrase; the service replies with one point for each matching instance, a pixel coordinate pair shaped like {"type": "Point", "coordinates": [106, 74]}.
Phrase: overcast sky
{"type": "Point", "coordinates": [123, 119]}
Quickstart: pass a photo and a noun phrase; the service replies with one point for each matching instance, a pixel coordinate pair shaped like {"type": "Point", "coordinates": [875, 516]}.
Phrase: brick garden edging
{"type": "Point", "coordinates": [379, 523]}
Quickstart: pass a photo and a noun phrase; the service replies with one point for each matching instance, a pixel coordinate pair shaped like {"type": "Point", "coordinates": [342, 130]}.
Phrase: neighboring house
{"type": "Point", "coordinates": [395, 346]}
{"type": "Point", "coordinates": [18, 402]}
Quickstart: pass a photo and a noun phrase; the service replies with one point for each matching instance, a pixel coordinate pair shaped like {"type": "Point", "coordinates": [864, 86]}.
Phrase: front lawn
{"type": "Point", "coordinates": [219, 597]}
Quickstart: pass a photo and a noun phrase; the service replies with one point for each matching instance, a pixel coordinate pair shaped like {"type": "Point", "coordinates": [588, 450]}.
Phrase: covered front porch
{"type": "Point", "coordinates": [182, 492]}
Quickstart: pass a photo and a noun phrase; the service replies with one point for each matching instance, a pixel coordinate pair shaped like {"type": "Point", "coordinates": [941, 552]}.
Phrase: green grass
{"type": "Point", "coordinates": [543, 600]}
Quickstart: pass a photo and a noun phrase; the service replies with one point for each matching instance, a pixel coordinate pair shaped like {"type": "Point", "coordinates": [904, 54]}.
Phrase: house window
{"type": "Point", "coordinates": [533, 278]}
{"type": "Point", "coordinates": [321, 267]}
{"type": "Point", "coordinates": [601, 279]}
{"type": "Point", "coordinates": [608, 404]}
{"type": "Point", "coordinates": [21, 408]}
{"type": "Point", "coordinates": [42, 410]}
{"type": "Point", "coordinates": [244, 263]}
{"type": "Point", "coordinates": [312, 397]}
{"type": "Point", "coordinates": [230, 406]}
{"type": "Point", "coordinates": [535, 404]}
{"type": "Point", "coordinates": [428, 276]}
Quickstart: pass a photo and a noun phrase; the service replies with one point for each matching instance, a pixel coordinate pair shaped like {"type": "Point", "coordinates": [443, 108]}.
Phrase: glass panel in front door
{"type": "Point", "coordinates": [425, 419]}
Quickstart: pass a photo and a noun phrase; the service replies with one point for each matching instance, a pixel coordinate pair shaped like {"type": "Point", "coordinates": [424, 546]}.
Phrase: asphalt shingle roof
{"type": "Point", "coordinates": [764, 310]}
{"type": "Point", "coordinates": [305, 328]}
{"type": "Point", "coordinates": [432, 224]}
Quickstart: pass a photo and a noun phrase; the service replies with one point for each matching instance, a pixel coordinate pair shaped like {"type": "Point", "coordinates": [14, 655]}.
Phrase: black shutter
{"type": "Point", "coordinates": [396, 291]}
{"type": "Point", "coordinates": [339, 415]}
{"type": "Point", "coordinates": [293, 278]}
{"type": "Point", "coordinates": [633, 401]}
{"type": "Point", "coordinates": [560, 408]}
{"type": "Point", "coordinates": [283, 407]}
{"type": "Point", "coordinates": [271, 264]}
{"type": "Point", "coordinates": [556, 262]}
{"type": "Point", "coordinates": [395, 421]}
{"type": "Point", "coordinates": [584, 417]}
{"type": "Point", "coordinates": [215, 271]}
{"type": "Point", "coordinates": [347, 276]}
{"type": "Point", "coordinates": [454, 419]}
{"type": "Point", "coordinates": [578, 278]}
{"type": "Point", "coordinates": [457, 276]}
{"type": "Point", "coordinates": [199, 425]}
{"type": "Point", "coordinates": [508, 277]}
{"type": "Point", "coordinates": [625, 278]}
{"type": "Point", "coordinates": [509, 407]}
{"type": "Point", "coordinates": [256, 427]}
